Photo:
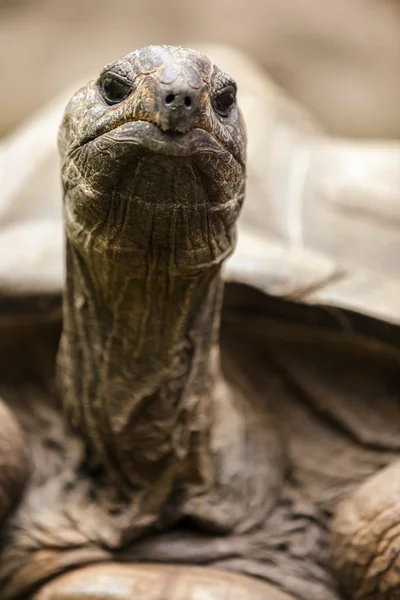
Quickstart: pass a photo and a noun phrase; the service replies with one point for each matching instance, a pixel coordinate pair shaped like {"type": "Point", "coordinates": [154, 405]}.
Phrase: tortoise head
{"type": "Point", "coordinates": [153, 154]}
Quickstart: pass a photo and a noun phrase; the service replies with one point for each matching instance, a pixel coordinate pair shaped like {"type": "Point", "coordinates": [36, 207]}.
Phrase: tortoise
{"type": "Point", "coordinates": [186, 439]}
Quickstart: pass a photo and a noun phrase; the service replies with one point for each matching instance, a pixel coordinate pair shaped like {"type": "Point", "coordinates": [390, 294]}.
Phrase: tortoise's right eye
{"type": "Point", "coordinates": [113, 88]}
{"type": "Point", "coordinates": [224, 100]}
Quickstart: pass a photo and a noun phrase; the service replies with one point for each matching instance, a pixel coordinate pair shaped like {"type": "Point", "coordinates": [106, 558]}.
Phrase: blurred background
{"type": "Point", "coordinates": [341, 59]}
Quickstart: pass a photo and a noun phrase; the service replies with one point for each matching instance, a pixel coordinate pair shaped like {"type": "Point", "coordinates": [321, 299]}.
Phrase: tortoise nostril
{"type": "Point", "coordinates": [169, 99]}
{"type": "Point", "coordinates": [178, 100]}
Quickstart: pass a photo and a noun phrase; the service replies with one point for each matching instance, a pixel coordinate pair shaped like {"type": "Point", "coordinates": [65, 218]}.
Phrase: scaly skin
{"type": "Point", "coordinates": [14, 467]}
{"type": "Point", "coordinates": [365, 537]}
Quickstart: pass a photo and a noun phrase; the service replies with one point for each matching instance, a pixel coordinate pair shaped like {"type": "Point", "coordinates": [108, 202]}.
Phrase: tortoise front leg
{"type": "Point", "coordinates": [13, 460]}
{"type": "Point", "coordinates": [156, 582]}
{"type": "Point", "coordinates": [366, 538]}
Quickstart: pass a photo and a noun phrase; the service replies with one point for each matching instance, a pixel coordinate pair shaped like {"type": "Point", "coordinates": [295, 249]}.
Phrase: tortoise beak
{"type": "Point", "coordinates": [179, 106]}
{"type": "Point", "coordinates": [174, 105]}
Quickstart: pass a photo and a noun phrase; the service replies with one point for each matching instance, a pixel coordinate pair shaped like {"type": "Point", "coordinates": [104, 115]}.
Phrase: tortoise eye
{"type": "Point", "coordinates": [224, 101]}
{"type": "Point", "coordinates": [113, 88]}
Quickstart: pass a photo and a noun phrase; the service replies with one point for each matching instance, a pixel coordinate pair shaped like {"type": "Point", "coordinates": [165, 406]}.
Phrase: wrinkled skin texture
{"type": "Point", "coordinates": [366, 537]}
{"type": "Point", "coordinates": [166, 442]}
{"type": "Point", "coordinates": [153, 188]}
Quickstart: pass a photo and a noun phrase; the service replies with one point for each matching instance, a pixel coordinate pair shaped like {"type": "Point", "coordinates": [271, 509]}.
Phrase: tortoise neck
{"type": "Point", "coordinates": [139, 359]}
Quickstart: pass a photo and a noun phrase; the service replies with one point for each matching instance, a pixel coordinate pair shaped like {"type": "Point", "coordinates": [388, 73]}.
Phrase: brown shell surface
{"type": "Point", "coordinates": [156, 582]}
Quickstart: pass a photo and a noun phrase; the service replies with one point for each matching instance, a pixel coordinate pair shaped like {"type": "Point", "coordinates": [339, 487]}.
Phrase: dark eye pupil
{"type": "Point", "coordinates": [108, 87]}
{"type": "Point", "coordinates": [113, 89]}
{"type": "Point", "coordinates": [224, 101]}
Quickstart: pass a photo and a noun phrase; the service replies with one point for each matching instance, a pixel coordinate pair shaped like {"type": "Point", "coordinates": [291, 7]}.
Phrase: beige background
{"type": "Point", "coordinates": [341, 57]}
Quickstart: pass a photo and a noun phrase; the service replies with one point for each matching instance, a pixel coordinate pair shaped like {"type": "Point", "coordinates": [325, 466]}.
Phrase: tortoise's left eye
{"type": "Point", "coordinates": [224, 100]}
{"type": "Point", "coordinates": [113, 88]}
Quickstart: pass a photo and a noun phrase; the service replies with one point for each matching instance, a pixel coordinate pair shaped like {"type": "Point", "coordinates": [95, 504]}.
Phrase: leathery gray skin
{"type": "Point", "coordinates": [153, 185]}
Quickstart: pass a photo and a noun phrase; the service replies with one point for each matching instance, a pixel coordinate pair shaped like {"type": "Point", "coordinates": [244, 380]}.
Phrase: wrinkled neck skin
{"type": "Point", "coordinates": [147, 235]}
{"type": "Point", "coordinates": [140, 360]}
{"type": "Point", "coordinates": [139, 356]}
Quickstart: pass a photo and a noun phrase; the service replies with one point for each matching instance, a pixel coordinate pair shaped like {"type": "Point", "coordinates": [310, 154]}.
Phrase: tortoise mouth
{"type": "Point", "coordinates": [168, 143]}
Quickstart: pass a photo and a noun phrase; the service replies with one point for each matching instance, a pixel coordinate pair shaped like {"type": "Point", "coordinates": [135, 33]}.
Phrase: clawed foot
{"type": "Point", "coordinates": [366, 538]}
